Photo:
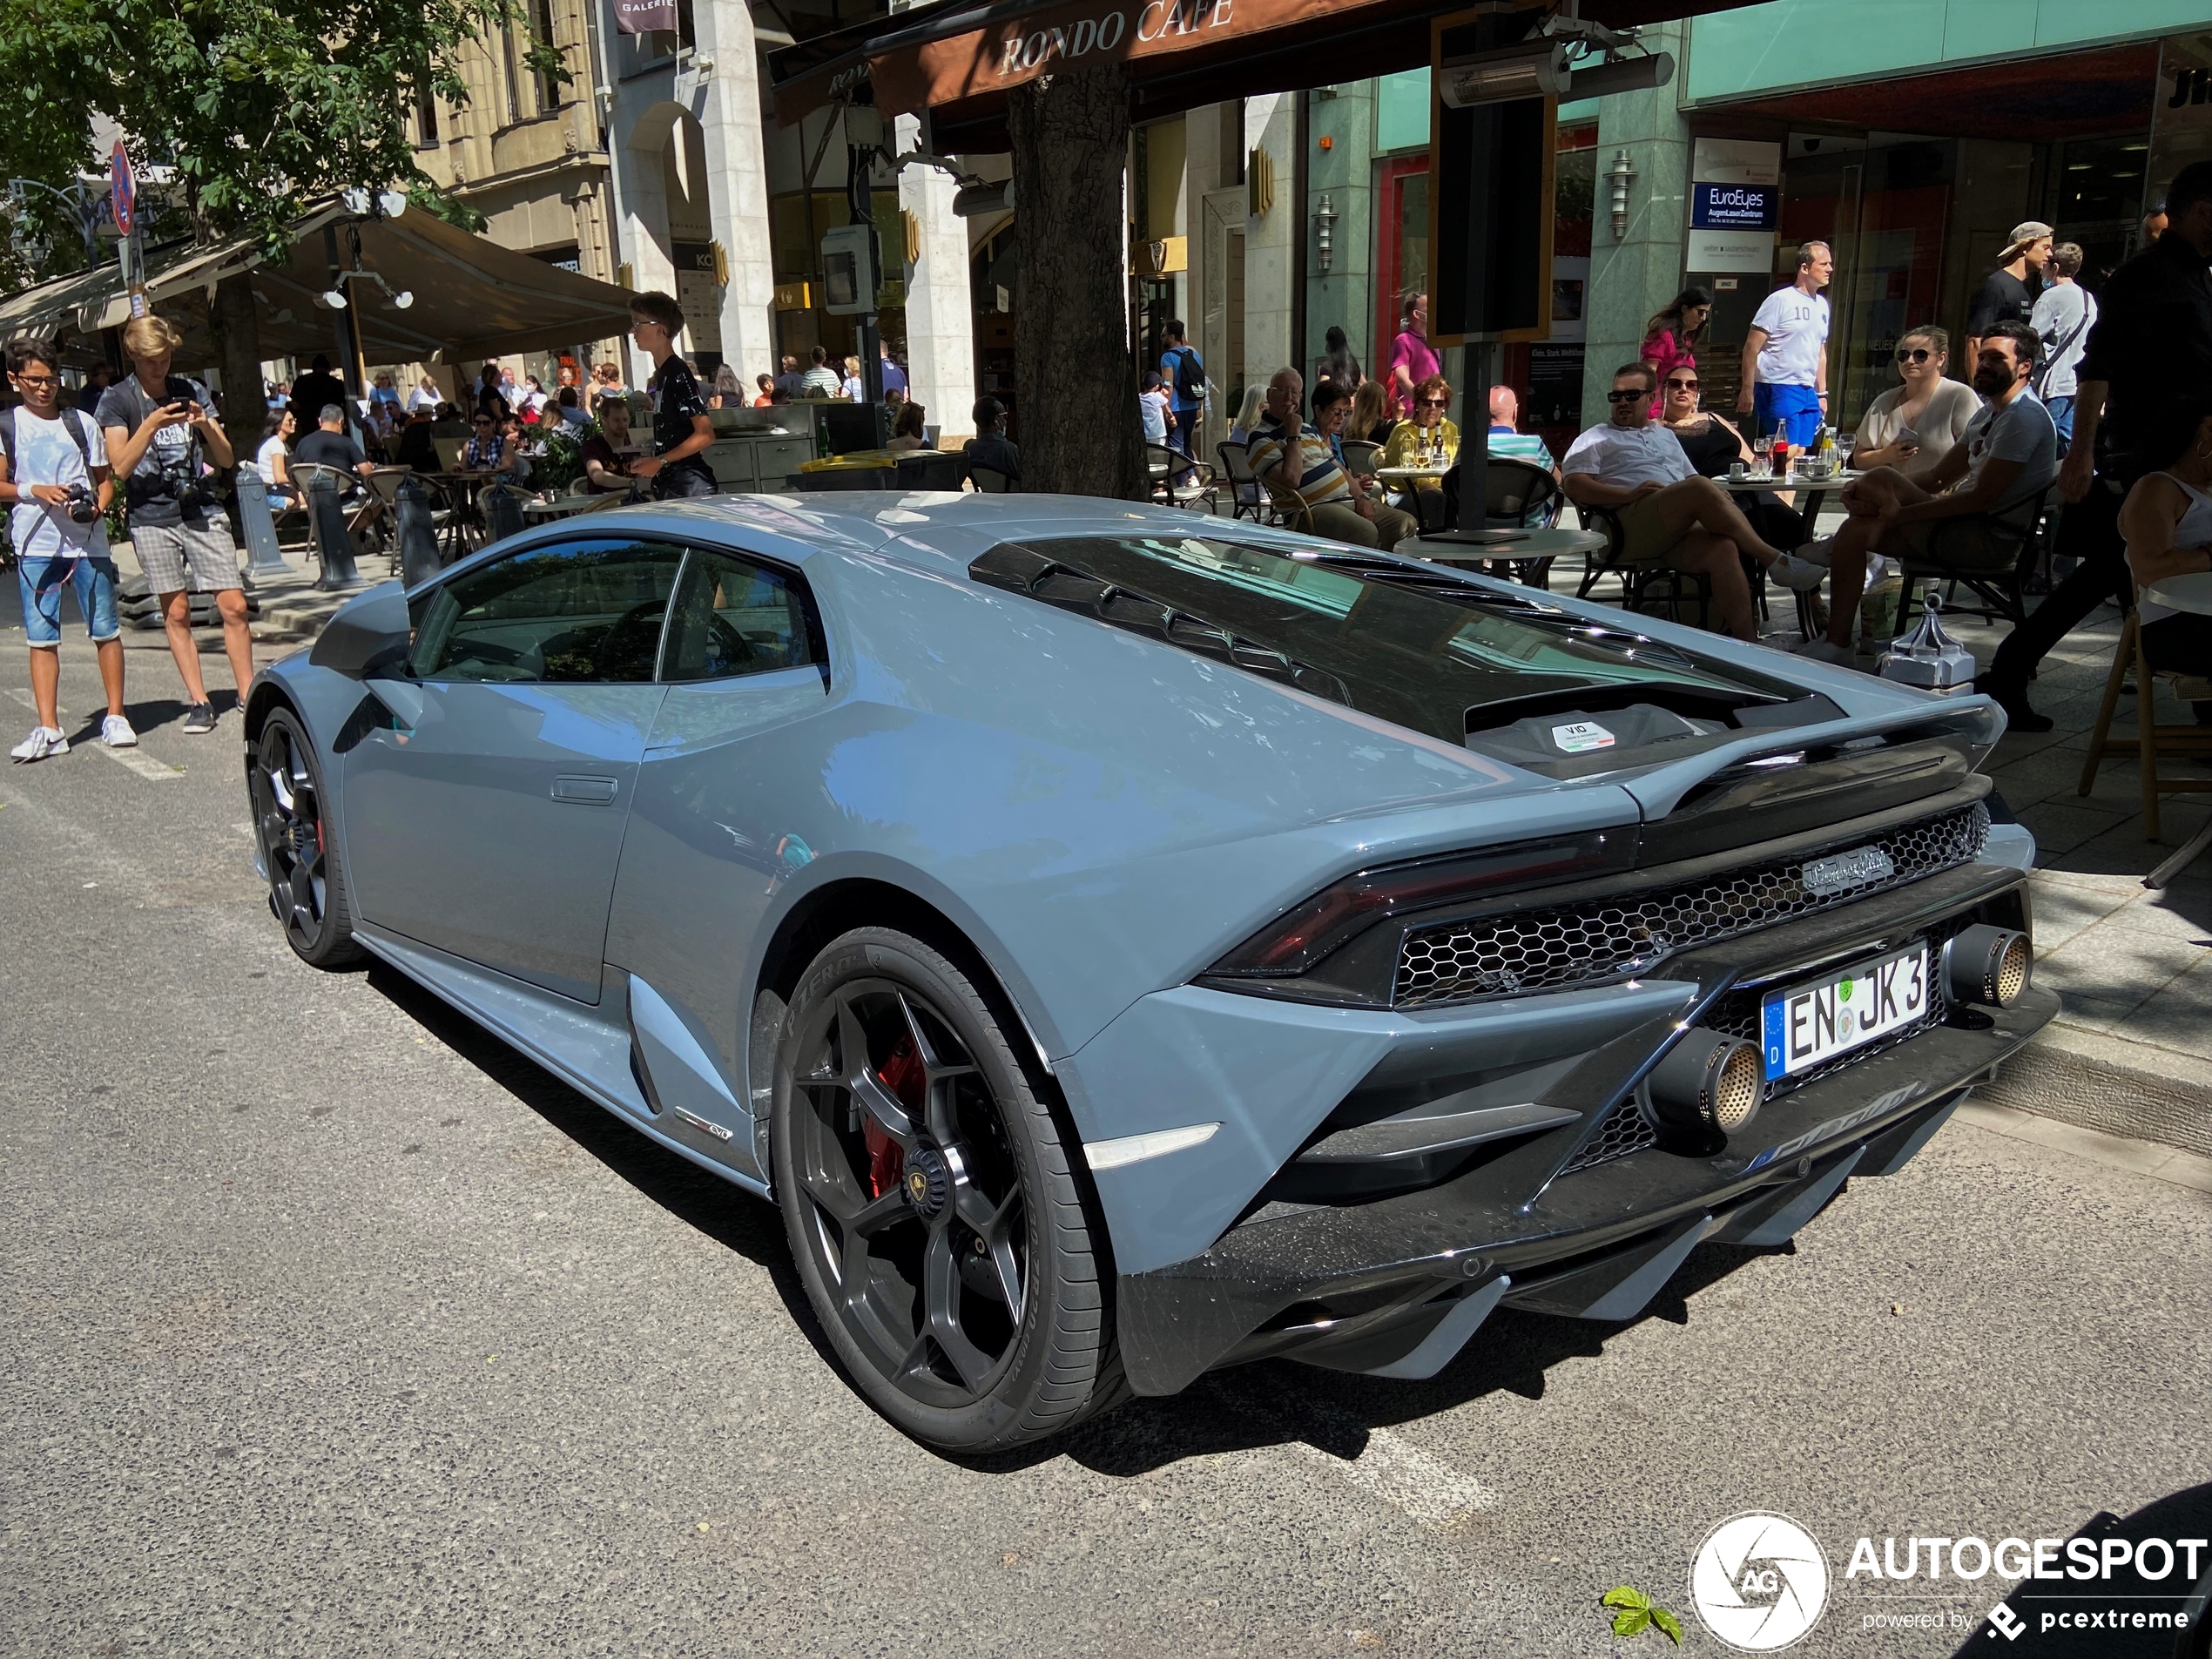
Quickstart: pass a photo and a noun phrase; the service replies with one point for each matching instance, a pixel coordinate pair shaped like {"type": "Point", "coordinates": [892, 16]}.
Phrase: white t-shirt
{"type": "Point", "coordinates": [1630, 455]}
{"type": "Point", "coordinates": [420, 398]}
{"type": "Point", "coordinates": [1796, 325]}
{"type": "Point", "coordinates": [2065, 313]}
{"type": "Point", "coordinates": [2022, 431]}
{"type": "Point", "coordinates": [265, 458]}
{"type": "Point", "coordinates": [45, 453]}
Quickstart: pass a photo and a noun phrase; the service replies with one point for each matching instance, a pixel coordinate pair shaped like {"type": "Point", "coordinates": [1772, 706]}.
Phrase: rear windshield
{"type": "Point", "coordinates": [1400, 651]}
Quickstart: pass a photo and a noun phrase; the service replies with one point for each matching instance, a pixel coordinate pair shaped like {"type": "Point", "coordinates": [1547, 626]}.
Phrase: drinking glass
{"type": "Point", "coordinates": [1763, 447]}
{"type": "Point", "coordinates": [1845, 442]}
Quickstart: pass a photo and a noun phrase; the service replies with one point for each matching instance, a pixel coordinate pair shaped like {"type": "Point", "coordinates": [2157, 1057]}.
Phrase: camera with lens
{"type": "Point", "coordinates": [83, 507]}
{"type": "Point", "coordinates": [189, 492]}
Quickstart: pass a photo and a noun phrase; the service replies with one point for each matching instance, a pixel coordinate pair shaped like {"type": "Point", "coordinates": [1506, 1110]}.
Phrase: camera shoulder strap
{"type": "Point", "coordinates": [72, 418]}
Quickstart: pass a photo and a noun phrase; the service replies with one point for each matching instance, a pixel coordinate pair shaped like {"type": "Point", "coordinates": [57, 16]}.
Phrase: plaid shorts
{"type": "Point", "coordinates": [167, 552]}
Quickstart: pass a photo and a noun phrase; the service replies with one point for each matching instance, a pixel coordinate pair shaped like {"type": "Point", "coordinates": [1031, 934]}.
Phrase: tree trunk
{"type": "Point", "coordinates": [1075, 381]}
{"type": "Point", "coordinates": [237, 344]}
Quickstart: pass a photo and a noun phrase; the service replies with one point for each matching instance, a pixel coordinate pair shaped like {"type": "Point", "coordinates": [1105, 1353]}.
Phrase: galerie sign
{"type": "Point", "coordinates": [644, 17]}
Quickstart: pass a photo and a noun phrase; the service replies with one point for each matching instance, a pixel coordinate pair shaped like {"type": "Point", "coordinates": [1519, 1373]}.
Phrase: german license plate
{"type": "Point", "coordinates": [1813, 1023]}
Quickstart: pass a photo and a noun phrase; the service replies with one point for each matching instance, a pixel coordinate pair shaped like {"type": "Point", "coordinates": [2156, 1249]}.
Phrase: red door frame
{"type": "Point", "coordinates": [1390, 185]}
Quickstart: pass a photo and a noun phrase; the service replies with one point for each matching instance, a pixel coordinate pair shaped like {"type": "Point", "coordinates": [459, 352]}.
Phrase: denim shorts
{"type": "Point", "coordinates": [41, 581]}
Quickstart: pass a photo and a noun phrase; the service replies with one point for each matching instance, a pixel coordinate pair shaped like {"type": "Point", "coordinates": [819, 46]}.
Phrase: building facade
{"type": "Point", "coordinates": [528, 151]}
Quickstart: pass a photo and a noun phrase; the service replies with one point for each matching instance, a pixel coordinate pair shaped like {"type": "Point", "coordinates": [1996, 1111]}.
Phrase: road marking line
{"type": "Point", "coordinates": [145, 765]}
{"type": "Point", "coordinates": [130, 760]}
{"type": "Point", "coordinates": [1431, 1493]}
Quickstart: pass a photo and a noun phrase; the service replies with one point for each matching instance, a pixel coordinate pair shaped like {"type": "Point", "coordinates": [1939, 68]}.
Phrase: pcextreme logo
{"type": "Point", "coordinates": [1759, 1582]}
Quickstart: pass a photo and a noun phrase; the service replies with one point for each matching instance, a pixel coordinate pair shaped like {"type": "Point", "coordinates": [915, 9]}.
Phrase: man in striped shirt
{"type": "Point", "coordinates": [1295, 461]}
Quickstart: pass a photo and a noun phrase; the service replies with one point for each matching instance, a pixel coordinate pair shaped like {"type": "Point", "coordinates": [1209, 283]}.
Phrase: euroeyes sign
{"type": "Point", "coordinates": [1734, 207]}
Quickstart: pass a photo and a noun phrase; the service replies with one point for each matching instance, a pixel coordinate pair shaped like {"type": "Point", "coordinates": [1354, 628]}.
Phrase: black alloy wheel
{"type": "Point", "coordinates": [306, 892]}
{"type": "Point", "coordinates": [926, 1189]}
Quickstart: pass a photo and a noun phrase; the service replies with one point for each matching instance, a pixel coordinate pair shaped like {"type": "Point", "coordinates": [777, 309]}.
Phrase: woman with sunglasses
{"type": "Point", "coordinates": [1714, 444]}
{"type": "Point", "coordinates": [1671, 338]}
{"type": "Point", "coordinates": [1430, 439]}
{"type": "Point", "coordinates": [1927, 412]}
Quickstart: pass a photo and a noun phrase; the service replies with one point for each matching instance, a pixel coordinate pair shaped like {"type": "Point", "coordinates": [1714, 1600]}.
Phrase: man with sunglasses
{"type": "Point", "coordinates": [53, 472]}
{"type": "Point", "coordinates": [1668, 514]}
{"type": "Point", "coordinates": [2006, 460]}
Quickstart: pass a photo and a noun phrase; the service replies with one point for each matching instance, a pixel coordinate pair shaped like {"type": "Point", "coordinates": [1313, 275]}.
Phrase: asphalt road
{"type": "Point", "coordinates": [333, 1327]}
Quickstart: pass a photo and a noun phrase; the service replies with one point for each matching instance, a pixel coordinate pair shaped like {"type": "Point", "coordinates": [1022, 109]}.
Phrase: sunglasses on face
{"type": "Point", "coordinates": [1436, 402]}
{"type": "Point", "coordinates": [1628, 395]}
{"type": "Point", "coordinates": [1917, 354]}
{"type": "Point", "coordinates": [1681, 386]}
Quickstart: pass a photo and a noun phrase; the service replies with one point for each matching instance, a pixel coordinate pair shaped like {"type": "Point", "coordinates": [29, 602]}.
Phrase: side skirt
{"type": "Point", "coordinates": [573, 1040]}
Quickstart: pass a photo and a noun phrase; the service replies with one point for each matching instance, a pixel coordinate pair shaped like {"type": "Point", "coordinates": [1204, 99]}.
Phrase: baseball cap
{"type": "Point", "coordinates": [2025, 235]}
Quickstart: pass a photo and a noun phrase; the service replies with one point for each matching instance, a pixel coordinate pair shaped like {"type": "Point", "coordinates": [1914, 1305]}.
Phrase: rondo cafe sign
{"type": "Point", "coordinates": [1022, 47]}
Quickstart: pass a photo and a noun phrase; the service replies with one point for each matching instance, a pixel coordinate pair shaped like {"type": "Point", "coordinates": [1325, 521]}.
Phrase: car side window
{"type": "Point", "coordinates": [588, 612]}
{"type": "Point", "coordinates": [733, 617]}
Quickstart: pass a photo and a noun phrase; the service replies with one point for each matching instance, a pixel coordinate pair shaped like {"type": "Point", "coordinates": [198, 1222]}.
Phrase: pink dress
{"type": "Point", "coordinates": [1665, 354]}
{"type": "Point", "coordinates": [1421, 362]}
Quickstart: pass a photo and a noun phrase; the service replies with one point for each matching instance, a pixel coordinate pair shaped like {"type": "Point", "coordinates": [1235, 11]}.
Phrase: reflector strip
{"type": "Point", "coordinates": [1135, 1149]}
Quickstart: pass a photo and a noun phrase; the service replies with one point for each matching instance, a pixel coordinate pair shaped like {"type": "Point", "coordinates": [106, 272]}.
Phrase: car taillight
{"type": "Point", "coordinates": [1298, 940]}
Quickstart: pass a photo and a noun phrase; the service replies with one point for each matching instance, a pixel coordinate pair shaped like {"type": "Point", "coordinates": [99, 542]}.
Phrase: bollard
{"type": "Point", "coordinates": [333, 541]}
{"type": "Point", "coordinates": [418, 536]}
{"type": "Point", "coordinates": [263, 557]}
{"type": "Point", "coordinates": [502, 513]}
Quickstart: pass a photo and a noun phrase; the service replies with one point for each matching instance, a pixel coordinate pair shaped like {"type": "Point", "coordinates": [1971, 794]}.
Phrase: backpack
{"type": "Point", "coordinates": [72, 417]}
{"type": "Point", "coordinates": [1189, 376]}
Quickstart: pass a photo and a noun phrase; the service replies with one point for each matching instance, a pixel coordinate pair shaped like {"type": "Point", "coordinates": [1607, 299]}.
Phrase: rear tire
{"type": "Point", "coordinates": [927, 1192]}
{"type": "Point", "coordinates": [307, 888]}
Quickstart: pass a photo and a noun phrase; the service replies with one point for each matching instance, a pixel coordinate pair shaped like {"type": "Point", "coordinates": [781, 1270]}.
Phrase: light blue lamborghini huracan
{"type": "Point", "coordinates": [1124, 942]}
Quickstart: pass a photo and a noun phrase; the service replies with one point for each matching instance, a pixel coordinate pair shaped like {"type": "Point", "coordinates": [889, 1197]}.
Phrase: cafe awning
{"type": "Point", "coordinates": [958, 61]}
{"type": "Point", "coordinates": [471, 299]}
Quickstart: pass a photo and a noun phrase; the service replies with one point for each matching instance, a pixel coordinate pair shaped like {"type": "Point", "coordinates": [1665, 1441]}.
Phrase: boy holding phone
{"type": "Point", "coordinates": [159, 427]}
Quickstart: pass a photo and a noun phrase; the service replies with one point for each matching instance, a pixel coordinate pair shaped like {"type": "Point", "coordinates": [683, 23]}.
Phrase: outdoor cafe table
{"type": "Point", "coordinates": [1529, 547]}
{"type": "Point", "coordinates": [564, 506]}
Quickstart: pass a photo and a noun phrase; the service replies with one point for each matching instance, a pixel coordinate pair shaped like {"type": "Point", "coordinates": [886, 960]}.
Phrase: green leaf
{"type": "Point", "coordinates": [1624, 1596]}
{"type": "Point", "coordinates": [1631, 1622]}
{"type": "Point", "coordinates": [1667, 1622]}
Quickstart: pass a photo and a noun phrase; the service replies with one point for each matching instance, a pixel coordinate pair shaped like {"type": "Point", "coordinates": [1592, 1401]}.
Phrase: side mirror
{"type": "Point", "coordinates": [369, 637]}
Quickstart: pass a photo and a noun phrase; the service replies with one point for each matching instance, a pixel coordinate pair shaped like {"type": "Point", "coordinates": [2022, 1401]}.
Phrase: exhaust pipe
{"type": "Point", "coordinates": [1708, 1081]}
{"type": "Point", "coordinates": [1987, 965]}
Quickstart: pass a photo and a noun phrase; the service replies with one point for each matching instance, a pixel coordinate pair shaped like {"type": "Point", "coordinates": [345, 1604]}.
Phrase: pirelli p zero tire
{"type": "Point", "coordinates": [298, 846]}
{"type": "Point", "coordinates": [927, 1191]}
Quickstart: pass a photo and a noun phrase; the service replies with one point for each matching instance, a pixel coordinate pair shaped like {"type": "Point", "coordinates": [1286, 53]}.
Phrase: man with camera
{"type": "Point", "coordinates": [53, 472]}
{"type": "Point", "coordinates": [162, 435]}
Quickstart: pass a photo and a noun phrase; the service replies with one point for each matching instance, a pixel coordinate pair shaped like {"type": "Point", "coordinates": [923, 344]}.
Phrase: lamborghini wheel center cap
{"type": "Point", "coordinates": [928, 1180]}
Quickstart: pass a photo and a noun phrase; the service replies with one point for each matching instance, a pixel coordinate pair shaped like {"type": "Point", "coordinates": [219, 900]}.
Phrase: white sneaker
{"type": "Point", "coordinates": [1823, 650]}
{"type": "Point", "coordinates": [1821, 552]}
{"type": "Point", "coordinates": [116, 732]}
{"type": "Point", "coordinates": [1795, 573]}
{"type": "Point", "coordinates": [43, 743]}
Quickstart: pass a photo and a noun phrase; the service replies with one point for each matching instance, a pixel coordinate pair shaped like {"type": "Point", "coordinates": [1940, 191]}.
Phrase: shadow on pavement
{"type": "Point", "coordinates": [733, 1218]}
{"type": "Point", "coordinates": [1272, 1403]}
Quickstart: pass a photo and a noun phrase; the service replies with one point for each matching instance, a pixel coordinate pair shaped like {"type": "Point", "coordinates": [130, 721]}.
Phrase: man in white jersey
{"type": "Point", "coordinates": [1785, 354]}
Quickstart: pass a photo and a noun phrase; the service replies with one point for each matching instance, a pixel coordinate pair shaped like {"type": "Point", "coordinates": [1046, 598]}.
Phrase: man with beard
{"type": "Point", "coordinates": [2006, 460]}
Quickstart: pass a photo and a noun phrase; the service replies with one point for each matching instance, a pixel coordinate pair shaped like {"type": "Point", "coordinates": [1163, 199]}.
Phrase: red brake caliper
{"type": "Point", "coordinates": [905, 1076]}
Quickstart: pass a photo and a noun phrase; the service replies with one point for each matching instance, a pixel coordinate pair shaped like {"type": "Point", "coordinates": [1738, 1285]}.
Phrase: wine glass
{"type": "Point", "coordinates": [1845, 442]}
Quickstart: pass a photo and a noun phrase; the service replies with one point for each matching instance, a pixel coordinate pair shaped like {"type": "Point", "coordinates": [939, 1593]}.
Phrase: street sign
{"type": "Point", "coordinates": [124, 195]}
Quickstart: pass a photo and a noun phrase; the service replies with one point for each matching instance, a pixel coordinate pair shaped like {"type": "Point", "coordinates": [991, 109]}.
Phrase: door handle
{"type": "Point", "coordinates": [586, 791]}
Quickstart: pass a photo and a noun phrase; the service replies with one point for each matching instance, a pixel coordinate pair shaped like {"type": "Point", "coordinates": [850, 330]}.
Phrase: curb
{"type": "Point", "coordinates": [2112, 1151]}
{"type": "Point", "coordinates": [2114, 1087]}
